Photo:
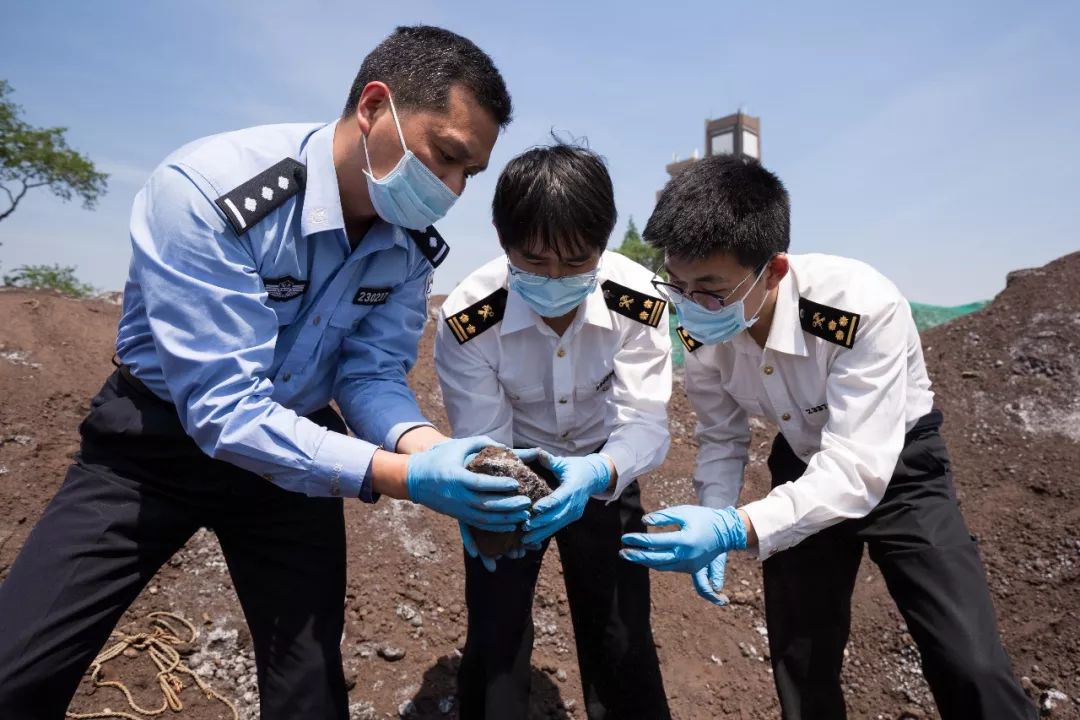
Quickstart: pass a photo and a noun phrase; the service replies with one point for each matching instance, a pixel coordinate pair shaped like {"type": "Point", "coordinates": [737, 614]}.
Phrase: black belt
{"type": "Point", "coordinates": [136, 384]}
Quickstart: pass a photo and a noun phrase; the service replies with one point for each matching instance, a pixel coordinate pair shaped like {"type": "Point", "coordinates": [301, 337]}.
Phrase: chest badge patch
{"type": "Point", "coordinates": [284, 288]}
{"type": "Point", "coordinates": [371, 296]}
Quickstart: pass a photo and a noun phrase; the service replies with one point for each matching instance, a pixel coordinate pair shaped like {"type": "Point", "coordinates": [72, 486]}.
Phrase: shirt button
{"type": "Point", "coordinates": [562, 401]}
{"type": "Point", "coordinates": [785, 417]}
{"type": "Point", "coordinates": [317, 319]}
{"type": "Point", "coordinates": [561, 352]}
{"type": "Point", "coordinates": [768, 369]}
{"type": "Point", "coordinates": [287, 377]}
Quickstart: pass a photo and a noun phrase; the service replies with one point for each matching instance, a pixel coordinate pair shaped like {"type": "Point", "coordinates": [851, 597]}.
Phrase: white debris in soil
{"type": "Point", "coordinates": [402, 516]}
{"type": "Point", "coordinates": [18, 357]}
{"type": "Point", "coordinates": [1051, 698]}
{"type": "Point", "coordinates": [201, 553]}
{"type": "Point", "coordinates": [228, 668]}
{"type": "Point", "coordinates": [406, 706]}
{"type": "Point", "coordinates": [362, 711]}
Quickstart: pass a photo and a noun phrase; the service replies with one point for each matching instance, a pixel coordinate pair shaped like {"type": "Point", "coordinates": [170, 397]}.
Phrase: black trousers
{"type": "Point", "coordinates": [931, 566]}
{"type": "Point", "coordinates": [609, 607]}
{"type": "Point", "coordinates": [139, 489]}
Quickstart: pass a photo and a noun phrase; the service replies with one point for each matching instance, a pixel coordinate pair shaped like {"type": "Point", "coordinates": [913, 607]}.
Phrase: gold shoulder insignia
{"type": "Point", "coordinates": [633, 304]}
{"type": "Point", "coordinates": [688, 342]}
{"type": "Point", "coordinates": [480, 316]}
{"type": "Point", "coordinates": [828, 323]}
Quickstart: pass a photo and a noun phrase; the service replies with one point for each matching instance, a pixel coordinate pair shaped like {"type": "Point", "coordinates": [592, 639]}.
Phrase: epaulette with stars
{"type": "Point", "coordinates": [250, 202]}
{"type": "Point", "coordinates": [480, 316]}
{"type": "Point", "coordinates": [688, 342]}
{"type": "Point", "coordinates": [828, 323]}
{"type": "Point", "coordinates": [431, 244]}
{"type": "Point", "coordinates": [633, 304]}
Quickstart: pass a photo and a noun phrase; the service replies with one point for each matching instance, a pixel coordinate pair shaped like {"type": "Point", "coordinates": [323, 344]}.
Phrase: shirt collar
{"type": "Point", "coordinates": [322, 199]}
{"type": "Point", "coordinates": [786, 333]}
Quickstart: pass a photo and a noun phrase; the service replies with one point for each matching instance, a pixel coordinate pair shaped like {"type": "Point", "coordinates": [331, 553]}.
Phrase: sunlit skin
{"type": "Point", "coordinates": [550, 263]}
{"type": "Point", "coordinates": [721, 274]}
{"type": "Point", "coordinates": [455, 145]}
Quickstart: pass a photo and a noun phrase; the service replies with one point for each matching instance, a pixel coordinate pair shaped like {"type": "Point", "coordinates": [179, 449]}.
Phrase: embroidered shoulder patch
{"type": "Point", "coordinates": [688, 342]}
{"type": "Point", "coordinates": [431, 244]}
{"type": "Point", "coordinates": [284, 288]}
{"type": "Point", "coordinates": [250, 202]}
{"type": "Point", "coordinates": [633, 304]}
{"type": "Point", "coordinates": [828, 323]}
{"type": "Point", "coordinates": [478, 317]}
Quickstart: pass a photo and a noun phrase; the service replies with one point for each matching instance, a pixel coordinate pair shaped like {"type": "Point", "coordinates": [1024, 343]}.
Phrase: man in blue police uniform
{"type": "Point", "coordinates": [274, 269]}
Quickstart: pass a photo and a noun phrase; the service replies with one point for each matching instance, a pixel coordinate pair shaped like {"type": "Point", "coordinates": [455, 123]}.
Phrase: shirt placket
{"type": "Point", "coordinates": [562, 385]}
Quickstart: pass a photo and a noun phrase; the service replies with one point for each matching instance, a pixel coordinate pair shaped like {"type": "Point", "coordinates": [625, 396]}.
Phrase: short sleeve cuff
{"type": "Point", "coordinates": [773, 519]}
{"type": "Point", "coordinates": [623, 459]}
{"type": "Point", "coordinates": [340, 467]}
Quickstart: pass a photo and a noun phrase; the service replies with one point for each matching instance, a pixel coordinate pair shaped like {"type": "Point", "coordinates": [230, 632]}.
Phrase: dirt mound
{"type": "Point", "coordinates": [1007, 378]}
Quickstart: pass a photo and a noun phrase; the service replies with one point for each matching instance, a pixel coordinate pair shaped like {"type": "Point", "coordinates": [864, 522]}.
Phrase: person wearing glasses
{"type": "Point", "coordinates": [562, 346]}
{"type": "Point", "coordinates": [826, 349]}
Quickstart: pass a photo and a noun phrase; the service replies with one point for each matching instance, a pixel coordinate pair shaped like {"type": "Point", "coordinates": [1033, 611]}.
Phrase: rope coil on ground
{"type": "Point", "coordinates": [161, 645]}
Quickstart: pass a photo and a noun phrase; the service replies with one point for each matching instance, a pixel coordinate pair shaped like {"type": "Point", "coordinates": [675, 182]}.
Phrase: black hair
{"type": "Point", "coordinates": [722, 204]}
{"type": "Point", "coordinates": [420, 64]}
{"type": "Point", "coordinates": [555, 197]}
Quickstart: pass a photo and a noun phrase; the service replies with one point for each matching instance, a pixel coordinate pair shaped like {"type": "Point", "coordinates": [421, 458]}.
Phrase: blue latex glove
{"type": "Point", "coordinates": [469, 542]}
{"type": "Point", "coordinates": [437, 478]}
{"type": "Point", "coordinates": [709, 581]}
{"type": "Point", "coordinates": [703, 534]}
{"type": "Point", "coordinates": [579, 479]}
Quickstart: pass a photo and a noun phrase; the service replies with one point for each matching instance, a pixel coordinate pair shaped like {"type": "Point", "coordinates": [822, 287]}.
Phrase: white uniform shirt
{"type": "Point", "coordinates": [605, 382]}
{"type": "Point", "coordinates": [843, 404]}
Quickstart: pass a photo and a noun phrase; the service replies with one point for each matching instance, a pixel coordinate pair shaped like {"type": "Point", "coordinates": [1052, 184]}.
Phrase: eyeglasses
{"type": "Point", "coordinates": [525, 278]}
{"type": "Point", "coordinates": [707, 300]}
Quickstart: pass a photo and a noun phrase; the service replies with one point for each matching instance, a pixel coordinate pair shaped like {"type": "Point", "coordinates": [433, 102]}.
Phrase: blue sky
{"type": "Point", "coordinates": [936, 141]}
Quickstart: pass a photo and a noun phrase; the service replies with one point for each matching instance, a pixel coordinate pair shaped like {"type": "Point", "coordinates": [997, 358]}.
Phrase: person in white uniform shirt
{"type": "Point", "coordinates": [561, 346]}
{"type": "Point", "coordinates": [826, 348]}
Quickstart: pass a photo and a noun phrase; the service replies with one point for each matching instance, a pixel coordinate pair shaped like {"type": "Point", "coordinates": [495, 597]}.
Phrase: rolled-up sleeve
{"type": "Point", "coordinates": [641, 389]}
{"type": "Point", "coordinates": [370, 387]}
{"type": "Point", "coordinates": [866, 391]}
{"type": "Point", "coordinates": [215, 337]}
{"type": "Point", "coordinates": [723, 434]}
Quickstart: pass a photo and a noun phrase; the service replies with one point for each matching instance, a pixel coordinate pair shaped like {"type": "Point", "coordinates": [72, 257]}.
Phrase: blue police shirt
{"type": "Point", "coordinates": [247, 312]}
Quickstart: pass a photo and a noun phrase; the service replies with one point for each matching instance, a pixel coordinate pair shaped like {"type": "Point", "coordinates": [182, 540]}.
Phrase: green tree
{"type": "Point", "coordinates": [50, 277]}
{"type": "Point", "coordinates": [638, 250]}
{"type": "Point", "coordinates": [33, 157]}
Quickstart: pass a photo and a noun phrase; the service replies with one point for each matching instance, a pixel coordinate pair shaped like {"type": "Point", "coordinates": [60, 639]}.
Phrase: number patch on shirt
{"type": "Point", "coordinates": [371, 296]}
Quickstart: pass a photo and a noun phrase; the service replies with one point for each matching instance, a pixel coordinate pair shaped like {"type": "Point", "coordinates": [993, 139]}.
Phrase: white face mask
{"type": "Point", "coordinates": [410, 195]}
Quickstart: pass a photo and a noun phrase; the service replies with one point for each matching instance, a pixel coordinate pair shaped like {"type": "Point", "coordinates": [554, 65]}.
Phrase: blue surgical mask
{"type": "Point", "coordinates": [552, 297]}
{"type": "Point", "coordinates": [410, 195]}
{"type": "Point", "coordinates": [716, 326]}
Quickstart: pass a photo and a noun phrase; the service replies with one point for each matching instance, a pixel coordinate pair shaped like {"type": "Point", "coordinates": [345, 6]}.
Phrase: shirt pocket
{"type": "Point", "coordinates": [524, 394]}
{"type": "Point", "coordinates": [347, 316]}
{"type": "Point", "coordinates": [595, 389]}
{"type": "Point", "coordinates": [748, 403]}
